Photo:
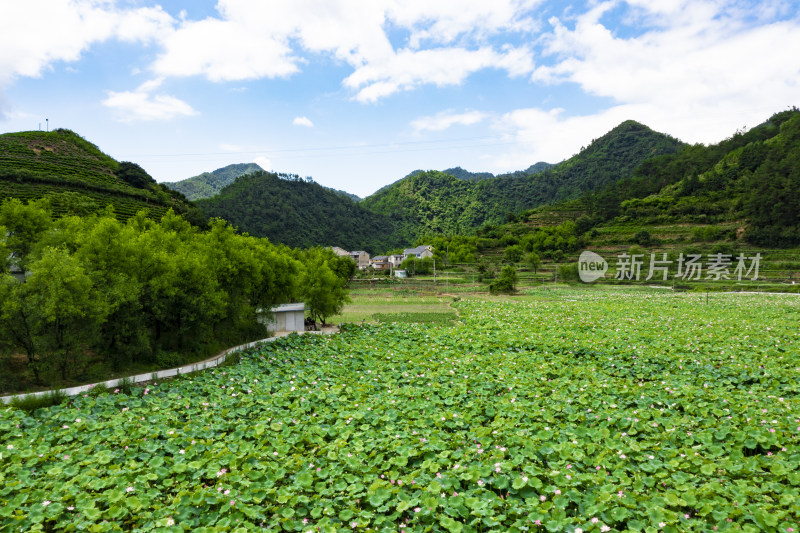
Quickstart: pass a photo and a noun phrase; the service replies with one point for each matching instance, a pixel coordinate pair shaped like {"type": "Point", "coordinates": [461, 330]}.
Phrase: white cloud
{"type": "Point", "coordinates": [408, 69]}
{"type": "Point", "coordinates": [303, 121]}
{"type": "Point", "coordinates": [445, 21]}
{"type": "Point", "coordinates": [548, 135]}
{"type": "Point", "coordinates": [695, 59]}
{"type": "Point", "coordinates": [142, 104]}
{"type": "Point", "coordinates": [36, 33]}
{"type": "Point", "coordinates": [224, 51]}
{"type": "Point", "coordinates": [446, 119]}
{"type": "Point", "coordinates": [252, 40]}
{"type": "Point", "coordinates": [263, 162]}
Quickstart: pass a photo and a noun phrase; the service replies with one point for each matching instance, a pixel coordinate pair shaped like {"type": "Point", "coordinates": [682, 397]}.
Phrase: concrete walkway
{"type": "Point", "coordinates": [194, 367]}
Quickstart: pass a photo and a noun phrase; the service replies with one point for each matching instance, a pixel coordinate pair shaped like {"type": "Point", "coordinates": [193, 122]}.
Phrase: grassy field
{"type": "Point", "coordinates": [382, 300]}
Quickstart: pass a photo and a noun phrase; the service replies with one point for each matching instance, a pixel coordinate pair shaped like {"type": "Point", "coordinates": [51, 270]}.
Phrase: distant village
{"type": "Point", "coordinates": [385, 262]}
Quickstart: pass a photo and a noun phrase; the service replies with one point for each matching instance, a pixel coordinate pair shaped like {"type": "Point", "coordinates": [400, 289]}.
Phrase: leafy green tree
{"type": "Point", "coordinates": [462, 253]}
{"type": "Point", "coordinates": [322, 290]}
{"type": "Point", "coordinates": [506, 282]}
{"type": "Point", "coordinates": [344, 267]}
{"type": "Point", "coordinates": [54, 315]}
{"type": "Point", "coordinates": [532, 260]}
{"type": "Point", "coordinates": [24, 223]}
{"type": "Point", "coordinates": [134, 175]}
{"type": "Point", "coordinates": [4, 251]}
{"type": "Point", "coordinates": [513, 253]}
{"type": "Point", "coordinates": [415, 266]}
{"type": "Point", "coordinates": [114, 257]}
{"type": "Point", "coordinates": [642, 237]}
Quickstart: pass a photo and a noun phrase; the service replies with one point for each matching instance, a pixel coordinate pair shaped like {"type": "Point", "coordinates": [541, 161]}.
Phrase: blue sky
{"type": "Point", "coordinates": [358, 93]}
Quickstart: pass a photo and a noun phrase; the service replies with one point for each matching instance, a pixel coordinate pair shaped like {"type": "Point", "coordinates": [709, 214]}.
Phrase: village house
{"type": "Point", "coordinates": [380, 262]}
{"type": "Point", "coordinates": [361, 258]}
{"type": "Point", "coordinates": [396, 259]}
{"type": "Point", "coordinates": [420, 252]}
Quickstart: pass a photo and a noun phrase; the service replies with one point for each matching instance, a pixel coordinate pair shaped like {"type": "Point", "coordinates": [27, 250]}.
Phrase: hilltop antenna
{"type": "Point", "coordinates": [48, 124]}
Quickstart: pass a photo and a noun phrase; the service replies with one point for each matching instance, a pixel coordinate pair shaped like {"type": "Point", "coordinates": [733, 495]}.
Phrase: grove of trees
{"type": "Point", "coordinates": [101, 295]}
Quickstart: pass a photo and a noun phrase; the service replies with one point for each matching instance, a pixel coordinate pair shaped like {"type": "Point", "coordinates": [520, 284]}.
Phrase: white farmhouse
{"type": "Point", "coordinates": [420, 252]}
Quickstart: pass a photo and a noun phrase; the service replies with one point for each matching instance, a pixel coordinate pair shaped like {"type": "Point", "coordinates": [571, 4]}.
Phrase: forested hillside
{"type": "Point", "coordinates": [751, 178]}
{"type": "Point", "coordinates": [209, 184]}
{"type": "Point", "coordinates": [433, 202]}
{"type": "Point", "coordinates": [75, 177]}
{"type": "Point", "coordinates": [741, 195]}
{"type": "Point", "coordinates": [297, 212]}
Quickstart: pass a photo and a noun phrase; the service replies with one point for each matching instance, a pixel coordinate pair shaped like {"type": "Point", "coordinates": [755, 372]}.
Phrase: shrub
{"type": "Point", "coordinates": [505, 282]}
{"type": "Point", "coordinates": [169, 359]}
{"type": "Point", "coordinates": [513, 253]}
{"type": "Point", "coordinates": [31, 403]}
{"type": "Point", "coordinates": [568, 272]}
{"type": "Point", "coordinates": [642, 238]}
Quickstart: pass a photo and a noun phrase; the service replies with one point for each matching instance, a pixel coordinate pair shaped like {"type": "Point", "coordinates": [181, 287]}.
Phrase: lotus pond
{"type": "Point", "coordinates": [566, 410]}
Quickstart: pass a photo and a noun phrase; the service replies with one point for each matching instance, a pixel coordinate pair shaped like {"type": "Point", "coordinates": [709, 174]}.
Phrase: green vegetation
{"type": "Point", "coordinates": [414, 299]}
{"type": "Point", "coordinates": [749, 181]}
{"type": "Point", "coordinates": [31, 403]}
{"type": "Point", "coordinates": [735, 197]}
{"type": "Point", "coordinates": [300, 213]}
{"type": "Point", "coordinates": [593, 409]}
{"type": "Point", "coordinates": [209, 184]}
{"type": "Point", "coordinates": [506, 282]}
{"type": "Point", "coordinates": [103, 296]}
{"type": "Point", "coordinates": [416, 318]}
{"type": "Point", "coordinates": [430, 203]}
{"type": "Point", "coordinates": [76, 177]}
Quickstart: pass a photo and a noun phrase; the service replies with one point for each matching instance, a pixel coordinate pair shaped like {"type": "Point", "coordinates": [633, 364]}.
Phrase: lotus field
{"type": "Point", "coordinates": [574, 411]}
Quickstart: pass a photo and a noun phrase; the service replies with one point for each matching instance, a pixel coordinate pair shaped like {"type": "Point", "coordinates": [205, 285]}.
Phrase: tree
{"type": "Point", "coordinates": [415, 266]}
{"type": "Point", "coordinates": [505, 282]}
{"type": "Point", "coordinates": [24, 223]}
{"type": "Point", "coordinates": [513, 253]}
{"type": "Point", "coordinates": [533, 261]}
{"type": "Point", "coordinates": [134, 175]}
{"type": "Point", "coordinates": [4, 251]}
{"type": "Point", "coordinates": [322, 290]}
{"type": "Point", "coordinates": [53, 315]}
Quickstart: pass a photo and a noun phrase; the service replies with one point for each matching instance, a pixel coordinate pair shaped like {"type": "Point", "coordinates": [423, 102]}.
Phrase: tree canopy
{"type": "Point", "coordinates": [131, 293]}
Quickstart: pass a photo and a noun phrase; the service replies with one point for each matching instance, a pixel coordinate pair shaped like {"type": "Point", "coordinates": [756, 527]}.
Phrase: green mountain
{"type": "Point", "coordinates": [466, 175]}
{"type": "Point", "coordinates": [749, 183]}
{"type": "Point", "coordinates": [76, 177]}
{"type": "Point", "coordinates": [300, 213]}
{"type": "Point", "coordinates": [426, 203]}
{"type": "Point", "coordinates": [739, 196]}
{"type": "Point", "coordinates": [209, 184]}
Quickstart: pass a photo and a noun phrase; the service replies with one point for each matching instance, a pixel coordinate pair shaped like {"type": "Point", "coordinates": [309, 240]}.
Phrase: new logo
{"type": "Point", "coordinates": [591, 267]}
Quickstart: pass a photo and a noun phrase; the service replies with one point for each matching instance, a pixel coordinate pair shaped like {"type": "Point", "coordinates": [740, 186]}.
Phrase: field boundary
{"type": "Point", "coordinates": [160, 374]}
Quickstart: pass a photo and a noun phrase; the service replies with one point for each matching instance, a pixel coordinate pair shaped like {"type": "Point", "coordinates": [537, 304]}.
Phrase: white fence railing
{"type": "Point", "coordinates": [139, 378]}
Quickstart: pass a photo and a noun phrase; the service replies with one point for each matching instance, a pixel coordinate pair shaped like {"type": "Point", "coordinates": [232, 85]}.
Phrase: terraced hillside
{"type": "Point", "coordinates": [68, 170]}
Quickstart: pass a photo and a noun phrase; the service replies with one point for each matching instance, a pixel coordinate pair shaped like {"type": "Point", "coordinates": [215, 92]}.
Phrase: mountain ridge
{"type": "Point", "coordinates": [299, 213]}
{"type": "Point", "coordinates": [432, 202]}
{"type": "Point", "coordinates": [75, 176]}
